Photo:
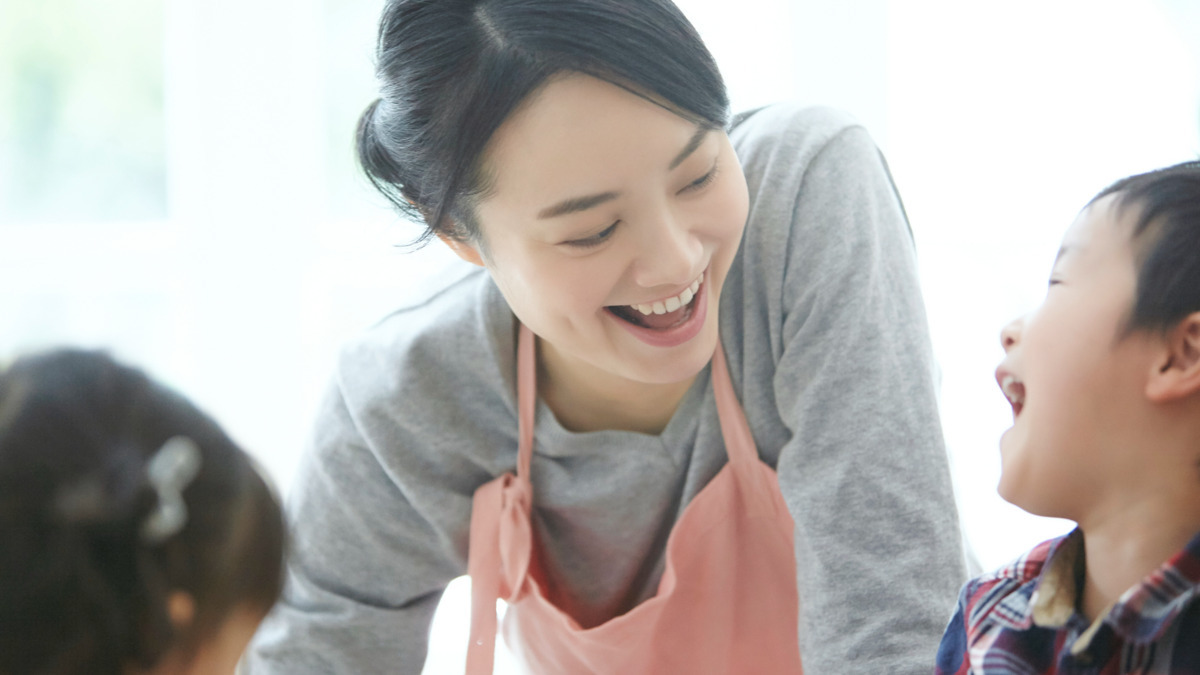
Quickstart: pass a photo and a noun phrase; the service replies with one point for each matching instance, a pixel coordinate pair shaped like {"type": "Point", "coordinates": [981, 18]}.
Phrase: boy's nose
{"type": "Point", "coordinates": [1010, 334]}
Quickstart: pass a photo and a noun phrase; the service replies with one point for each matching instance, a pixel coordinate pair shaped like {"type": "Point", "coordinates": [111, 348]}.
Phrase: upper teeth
{"type": "Point", "coordinates": [1011, 391]}
{"type": "Point", "coordinates": [671, 304]}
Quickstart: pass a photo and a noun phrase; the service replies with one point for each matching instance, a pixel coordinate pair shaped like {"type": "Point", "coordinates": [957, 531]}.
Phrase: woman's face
{"type": "Point", "coordinates": [604, 207]}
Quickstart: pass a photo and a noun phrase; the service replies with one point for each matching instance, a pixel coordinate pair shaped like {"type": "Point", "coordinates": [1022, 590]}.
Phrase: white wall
{"type": "Point", "coordinates": [1004, 120]}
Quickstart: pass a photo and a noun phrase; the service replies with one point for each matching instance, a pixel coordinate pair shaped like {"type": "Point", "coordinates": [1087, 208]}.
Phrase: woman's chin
{"type": "Point", "coordinates": [675, 364]}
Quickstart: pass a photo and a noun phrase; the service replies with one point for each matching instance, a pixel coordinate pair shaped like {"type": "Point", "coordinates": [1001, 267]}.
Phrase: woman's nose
{"type": "Point", "coordinates": [671, 255]}
{"type": "Point", "coordinates": [1011, 334]}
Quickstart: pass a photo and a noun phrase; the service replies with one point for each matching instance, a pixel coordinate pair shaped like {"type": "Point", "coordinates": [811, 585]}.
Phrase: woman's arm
{"type": "Point", "coordinates": [367, 567]}
{"type": "Point", "coordinates": [865, 473]}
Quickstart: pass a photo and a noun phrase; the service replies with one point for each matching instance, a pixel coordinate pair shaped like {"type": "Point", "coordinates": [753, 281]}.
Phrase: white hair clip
{"type": "Point", "coordinates": [169, 471]}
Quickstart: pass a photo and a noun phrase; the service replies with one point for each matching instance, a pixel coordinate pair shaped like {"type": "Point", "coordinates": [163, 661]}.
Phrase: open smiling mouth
{"type": "Point", "coordinates": [662, 314]}
{"type": "Point", "coordinates": [1014, 391]}
{"type": "Point", "coordinates": [668, 322]}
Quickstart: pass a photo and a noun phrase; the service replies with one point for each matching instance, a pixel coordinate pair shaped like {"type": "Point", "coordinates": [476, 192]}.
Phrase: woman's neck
{"type": "Point", "coordinates": [584, 398]}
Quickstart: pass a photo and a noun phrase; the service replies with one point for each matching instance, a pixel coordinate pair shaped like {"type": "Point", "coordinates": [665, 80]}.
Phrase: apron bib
{"type": "Point", "coordinates": [727, 601]}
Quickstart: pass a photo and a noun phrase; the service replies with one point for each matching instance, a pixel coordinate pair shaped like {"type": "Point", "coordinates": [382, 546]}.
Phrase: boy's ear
{"type": "Point", "coordinates": [462, 249]}
{"type": "Point", "coordinates": [1177, 373]}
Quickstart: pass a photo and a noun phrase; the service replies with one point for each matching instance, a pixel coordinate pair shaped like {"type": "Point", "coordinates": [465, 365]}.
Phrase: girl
{"type": "Point", "coordinates": [135, 537]}
{"type": "Point", "coordinates": [682, 418]}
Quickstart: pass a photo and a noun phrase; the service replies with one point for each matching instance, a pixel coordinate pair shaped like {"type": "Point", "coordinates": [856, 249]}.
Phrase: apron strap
{"type": "Point", "coordinates": [526, 398]}
{"type": "Point", "coordinates": [499, 516]}
{"type": "Point", "coordinates": [491, 511]}
{"type": "Point", "coordinates": [485, 563]}
{"type": "Point", "coordinates": [739, 443]}
{"type": "Point", "coordinates": [484, 567]}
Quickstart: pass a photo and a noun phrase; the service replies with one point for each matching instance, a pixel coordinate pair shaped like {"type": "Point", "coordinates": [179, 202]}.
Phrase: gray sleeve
{"type": "Point", "coordinates": [865, 474]}
{"type": "Point", "coordinates": [367, 567]}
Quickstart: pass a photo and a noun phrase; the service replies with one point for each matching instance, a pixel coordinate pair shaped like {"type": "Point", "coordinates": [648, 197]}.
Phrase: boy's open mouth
{"type": "Point", "coordinates": [1014, 391]}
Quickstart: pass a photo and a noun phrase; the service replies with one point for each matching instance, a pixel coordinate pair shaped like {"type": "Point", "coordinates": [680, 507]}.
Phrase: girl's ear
{"type": "Point", "coordinates": [462, 249]}
{"type": "Point", "coordinates": [1177, 374]}
{"type": "Point", "coordinates": [181, 608]}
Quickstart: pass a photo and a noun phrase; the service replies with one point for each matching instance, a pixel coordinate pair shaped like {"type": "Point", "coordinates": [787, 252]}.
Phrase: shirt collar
{"type": "Point", "coordinates": [1141, 615]}
{"type": "Point", "coordinates": [1054, 600]}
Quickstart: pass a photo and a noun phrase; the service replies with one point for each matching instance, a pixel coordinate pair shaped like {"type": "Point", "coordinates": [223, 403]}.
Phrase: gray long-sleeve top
{"type": "Point", "coordinates": [828, 348]}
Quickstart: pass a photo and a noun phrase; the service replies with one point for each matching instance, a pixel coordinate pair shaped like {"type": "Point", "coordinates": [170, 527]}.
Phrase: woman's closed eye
{"type": "Point", "coordinates": [700, 182]}
{"type": "Point", "coordinates": [602, 236]}
{"type": "Point", "coordinates": [595, 239]}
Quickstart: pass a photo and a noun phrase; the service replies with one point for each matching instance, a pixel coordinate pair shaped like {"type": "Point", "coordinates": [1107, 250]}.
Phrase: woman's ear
{"type": "Point", "coordinates": [1177, 373]}
{"type": "Point", "coordinates": [462, 249]}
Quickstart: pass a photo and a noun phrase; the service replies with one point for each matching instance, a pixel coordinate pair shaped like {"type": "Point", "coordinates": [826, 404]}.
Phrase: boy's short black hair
{"type": "Point", "coordinates": [1166, 238]}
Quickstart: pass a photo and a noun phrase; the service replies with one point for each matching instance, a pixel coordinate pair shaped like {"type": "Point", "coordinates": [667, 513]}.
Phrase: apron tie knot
{"type": "Point", "coordinates": [515, 500]}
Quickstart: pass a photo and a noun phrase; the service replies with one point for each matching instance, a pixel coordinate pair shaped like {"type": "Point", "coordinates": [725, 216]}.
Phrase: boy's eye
{"type": "Point", "coordinates": [701, 181]}
{"type": "Point", "coordinates": [595, 239]}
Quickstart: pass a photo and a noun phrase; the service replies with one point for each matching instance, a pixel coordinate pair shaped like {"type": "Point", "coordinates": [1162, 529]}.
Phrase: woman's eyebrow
{"type": "Point", "coordinates": [577, 204]}
{"type": "Point", "coordinates": [692, 144]}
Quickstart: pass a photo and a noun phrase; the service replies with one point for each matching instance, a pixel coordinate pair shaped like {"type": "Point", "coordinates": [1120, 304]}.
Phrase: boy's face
{"type": "Point", "coordinates": [1075, 381]}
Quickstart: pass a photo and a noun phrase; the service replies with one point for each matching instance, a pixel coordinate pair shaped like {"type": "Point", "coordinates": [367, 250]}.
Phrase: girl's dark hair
{"type": "Point", "coordinates": [1166, 234]}
{"type": "Point", "coordinates": [82, 589]}
{"type": "Point", "coordinates": [452, 71]}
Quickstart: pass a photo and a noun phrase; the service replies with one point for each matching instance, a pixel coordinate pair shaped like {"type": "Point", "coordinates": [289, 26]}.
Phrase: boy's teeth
{"type": "Point", "coordinates": [1011, 391]}
{"type": "Point", "coordinates": [670, 304]}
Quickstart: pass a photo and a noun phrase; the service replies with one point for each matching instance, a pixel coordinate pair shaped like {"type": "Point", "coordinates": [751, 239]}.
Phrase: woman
{"type": "Point", "coordinates": [577, 150]}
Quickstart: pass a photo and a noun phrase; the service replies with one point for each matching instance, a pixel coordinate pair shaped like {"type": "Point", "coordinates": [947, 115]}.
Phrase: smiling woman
{"type": "Point", "coordinates": [682, 418]}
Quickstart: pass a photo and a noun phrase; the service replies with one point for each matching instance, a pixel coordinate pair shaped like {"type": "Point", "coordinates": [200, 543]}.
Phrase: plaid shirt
{"type": "Point", "coordinates": [1022, 620]}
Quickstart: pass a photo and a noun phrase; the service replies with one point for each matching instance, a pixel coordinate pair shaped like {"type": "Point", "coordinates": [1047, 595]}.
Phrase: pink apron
{"type": "Point", "coordinates": [727, 601]}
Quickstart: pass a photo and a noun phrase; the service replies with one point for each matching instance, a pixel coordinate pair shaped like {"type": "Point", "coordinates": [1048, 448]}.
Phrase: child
{"type": "Point", "coordinates": [135, 537]}
{"type": "Point", "coordinates": [1104, 382]}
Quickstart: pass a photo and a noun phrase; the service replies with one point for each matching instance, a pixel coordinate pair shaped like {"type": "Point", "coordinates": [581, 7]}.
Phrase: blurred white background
{"type": "Point", "coordinates": [177, 184]}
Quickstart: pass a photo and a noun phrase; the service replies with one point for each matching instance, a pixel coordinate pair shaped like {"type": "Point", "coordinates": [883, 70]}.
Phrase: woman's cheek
{"type": "Point", "coordinates": [565, 286]}
{"type": "Point", "coordinates": [739, 201]}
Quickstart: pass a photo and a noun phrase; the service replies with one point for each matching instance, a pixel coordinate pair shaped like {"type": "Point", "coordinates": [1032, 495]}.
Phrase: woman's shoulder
{"type": "Point", "coordinates": [786, 145]}
{"type": "Point", "coordinates": [792, 127]}
{"type": "Point", "coordinates": [457, 337]}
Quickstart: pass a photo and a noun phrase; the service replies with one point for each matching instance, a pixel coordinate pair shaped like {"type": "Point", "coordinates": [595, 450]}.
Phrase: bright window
{"type": "Point", "coordinates": [81, 111]}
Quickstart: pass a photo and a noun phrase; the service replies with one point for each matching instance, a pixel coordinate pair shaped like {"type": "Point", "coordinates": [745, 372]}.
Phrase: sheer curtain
{"type": "Point", "coordinates": [999, 121]}
{"type": "Point", "coordinates": [269, 251]}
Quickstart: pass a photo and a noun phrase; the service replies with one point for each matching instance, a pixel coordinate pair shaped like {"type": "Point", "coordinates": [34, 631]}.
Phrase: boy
{"type": "Point", "coordinates": [1104, 382]}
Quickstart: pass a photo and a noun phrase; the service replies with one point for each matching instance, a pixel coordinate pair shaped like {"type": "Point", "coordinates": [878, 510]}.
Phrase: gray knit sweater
{"type": "Point", "coordinates": [823, 324]}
